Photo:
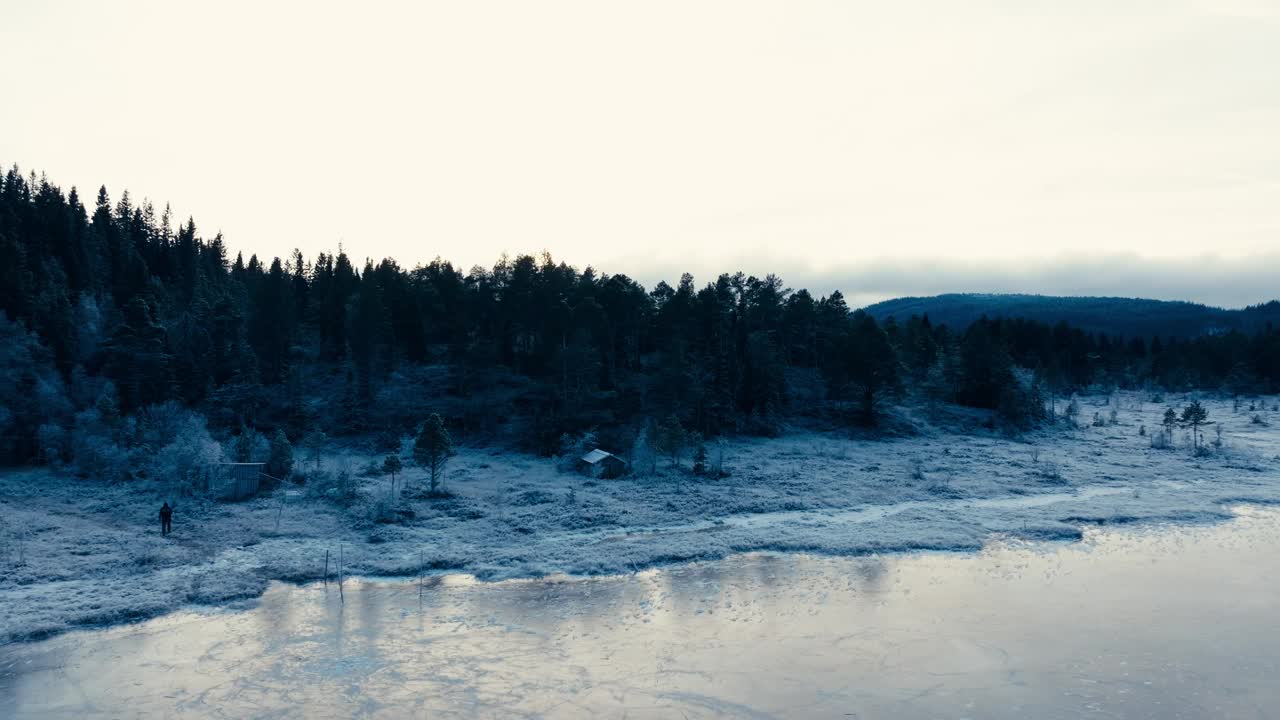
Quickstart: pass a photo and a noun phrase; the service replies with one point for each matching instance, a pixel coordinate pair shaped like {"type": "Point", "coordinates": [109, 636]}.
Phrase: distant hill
{"type": "Point", "coordinates": [1112, 315]}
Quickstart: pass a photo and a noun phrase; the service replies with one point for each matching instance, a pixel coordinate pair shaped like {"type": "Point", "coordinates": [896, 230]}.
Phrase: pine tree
{"type": "Point", "coordinates": [432, 449]}
{"type": "Point", "coordinates": [392, 465]}
{"type": "Point", "coordinates": [1169, 421]}
{"type": "Point", "coordinates": [1195, 416]}
{"type": "Point", "coordinates": [280, 460]}
{"type": "Point", "coordinates": [672, 439]}
{"type": "Point", "coordinates": [700, 460]}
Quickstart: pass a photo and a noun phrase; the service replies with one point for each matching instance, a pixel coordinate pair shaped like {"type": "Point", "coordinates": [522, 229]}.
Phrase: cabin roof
{"type": "Point", "coordinates": [597, 455]}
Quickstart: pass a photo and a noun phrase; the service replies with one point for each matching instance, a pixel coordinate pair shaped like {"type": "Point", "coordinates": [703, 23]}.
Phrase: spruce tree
{"type": "Point", "coordinates": [1170, 421]}
{"type": "Point", "coordinates": [280, 460]}
{"type": "Point", "coordinates": [392, 465]}
{"type": "Point", "coordinates": [432, 449]}
{"type": "Point", "coordinates": [700, 460]}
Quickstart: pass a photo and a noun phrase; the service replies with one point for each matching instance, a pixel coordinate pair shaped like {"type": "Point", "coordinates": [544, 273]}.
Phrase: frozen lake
{"type": "Point", "coordinates": [1166, 622]}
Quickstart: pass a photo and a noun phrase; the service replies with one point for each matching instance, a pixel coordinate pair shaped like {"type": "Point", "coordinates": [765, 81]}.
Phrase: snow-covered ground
{"type": "Point", "coordinates": [76, 552]}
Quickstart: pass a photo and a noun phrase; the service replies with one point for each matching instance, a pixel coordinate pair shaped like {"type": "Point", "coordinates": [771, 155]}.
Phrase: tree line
{"type": "Point", "coordinates": [119, 304]}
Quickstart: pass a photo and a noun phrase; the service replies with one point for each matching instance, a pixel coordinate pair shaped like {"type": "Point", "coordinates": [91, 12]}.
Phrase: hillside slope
{"type": "Point", "coordinates": [1112, 315]}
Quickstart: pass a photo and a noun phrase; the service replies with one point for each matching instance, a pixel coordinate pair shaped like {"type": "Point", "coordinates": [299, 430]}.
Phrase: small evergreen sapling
{"type": "Point", "coordinates": [391, 466]}
{"type": "Point", "coordinates": [433, 449]}
{"type": "Point", "coordinates": [1195, 416]}
{"type": "Point", "coordinates": [672, 439]}
{"type": "Point", "coordinates": [700, 460]}
{"type": "Point", "coordinates": [280, 459]}
{"type": "Point", "coordinates": [1169, 421]}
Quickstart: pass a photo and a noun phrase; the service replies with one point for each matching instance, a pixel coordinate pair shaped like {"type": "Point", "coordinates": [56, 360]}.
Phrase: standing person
{"type": "Point", "coordinates": [166, 519]}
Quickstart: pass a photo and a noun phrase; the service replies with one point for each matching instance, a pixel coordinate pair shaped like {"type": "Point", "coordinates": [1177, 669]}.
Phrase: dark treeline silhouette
{"type": "Point", "coordinates": [1129, 317]}
{"type": "Point", "coordinates": [113, 308]}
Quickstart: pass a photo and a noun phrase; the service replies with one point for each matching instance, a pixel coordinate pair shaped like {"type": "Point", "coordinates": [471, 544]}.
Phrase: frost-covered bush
{"type": "Point", "coordinates": [1073, 409]}
{"type": "Point", "coordinates": [160, 424]}
{"type": "Point", "coordinates": [644, 457]}
{"type": "Point", "coordinates": [95, 448]}
{"type": "Point", "coordinates": [339, 487]}
{"type": "Point", "coordinates": [1050, 472]}
{"type": "Point", "coordinates": [31, 392]}
{"type": "Point", "coordinates": [917, 469]}
{"type": "Point", "coordinates": [572, 448]}
{"type": "Point", "coordinates": [53, 443]}
{"type": "Point", "coordinates": [186, 463]}
{"type": "Point", "coordinates": [380, 510]}
{"type": "Point", "coordinates": [250, 446]}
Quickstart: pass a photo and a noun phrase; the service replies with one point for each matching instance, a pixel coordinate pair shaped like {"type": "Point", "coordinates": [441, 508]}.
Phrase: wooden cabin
{"type": "Point", "coordinates": [601, 464]}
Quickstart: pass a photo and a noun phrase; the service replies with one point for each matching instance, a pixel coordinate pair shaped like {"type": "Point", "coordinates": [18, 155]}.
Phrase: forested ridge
{"type": "Point", "coordinates": [112, 309]}
{"type": "Point", "coordinates": [1104, 315]}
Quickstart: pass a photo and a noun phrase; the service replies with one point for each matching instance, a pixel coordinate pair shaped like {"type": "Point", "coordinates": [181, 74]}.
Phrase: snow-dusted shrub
{"type": "Point", "coordinates": [1257, 420]}
{"type": "Point", "coordinates": [95, 450]}
{"type": "Point", "coordinates": [187, 462]}
{"type": "Point", "coordinates": [339, 487]}
{"type": "Point", "coordinates": [644, 458]}
{"type": "Point", "coordinates": [943, 487]}
{"type": "Point", "coordinates": [917, 469]}
{"type": "Point", "coordinates": [31, 392]}
{"type": "Point", "coordinates": [160, 424]}
{"type": "Point", "coordinates": [700, 459]}
{"type": "Point", "coordinates": [53, 444]}
{"type": "Point", "coordinates": [1049, 472]}
{"type": "Point", "coordinates": [1073, 409]}
{"type": "Point", "coordinates": [572, 448]}
{"type": "Point", "coordinates": [250, 446]}
{"type": "Point", "coordinates": [380, 510]}
{"type": "Point", "coordinates": [1160, 441]}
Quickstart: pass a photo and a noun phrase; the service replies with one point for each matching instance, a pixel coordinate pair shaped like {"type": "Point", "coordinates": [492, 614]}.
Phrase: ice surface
{"type": "Point", "coordinates": [1139, 621]}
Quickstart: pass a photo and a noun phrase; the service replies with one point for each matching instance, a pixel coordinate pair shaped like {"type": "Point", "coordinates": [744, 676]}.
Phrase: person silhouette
{"type": "Point", "coordinates": [166, 519]}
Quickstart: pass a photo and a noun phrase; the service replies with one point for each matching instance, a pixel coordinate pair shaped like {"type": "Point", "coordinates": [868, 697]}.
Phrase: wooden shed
{"type": "Point", "coordinates": [236, 481]}
{"type": "Point", "coordinates": [601, 464]}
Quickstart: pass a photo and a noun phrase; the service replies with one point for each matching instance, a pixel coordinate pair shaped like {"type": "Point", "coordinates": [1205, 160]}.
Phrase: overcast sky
{"type": "Point", "coordinates": [1127, 147]}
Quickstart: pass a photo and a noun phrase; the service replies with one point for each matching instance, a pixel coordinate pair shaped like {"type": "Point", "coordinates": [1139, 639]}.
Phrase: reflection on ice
{"type": "Point", "coordinates": [1164, 622]}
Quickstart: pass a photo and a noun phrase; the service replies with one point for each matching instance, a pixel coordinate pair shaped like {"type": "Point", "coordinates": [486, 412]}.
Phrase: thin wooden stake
{"type": "Point", "coordinates": [341, 597]}
{"type": "Point", "coordinates": [326, 567]}
{"type": "Point", "coordinates": [420, 569]}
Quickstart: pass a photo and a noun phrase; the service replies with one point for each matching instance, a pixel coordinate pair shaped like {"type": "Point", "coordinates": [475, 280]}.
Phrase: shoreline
{"type": "Point", "coordinates": [93, 559]}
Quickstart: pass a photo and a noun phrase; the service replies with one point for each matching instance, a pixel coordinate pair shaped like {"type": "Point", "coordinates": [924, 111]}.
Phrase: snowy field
{"type": "Point", "coordinates": [76, 552]}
